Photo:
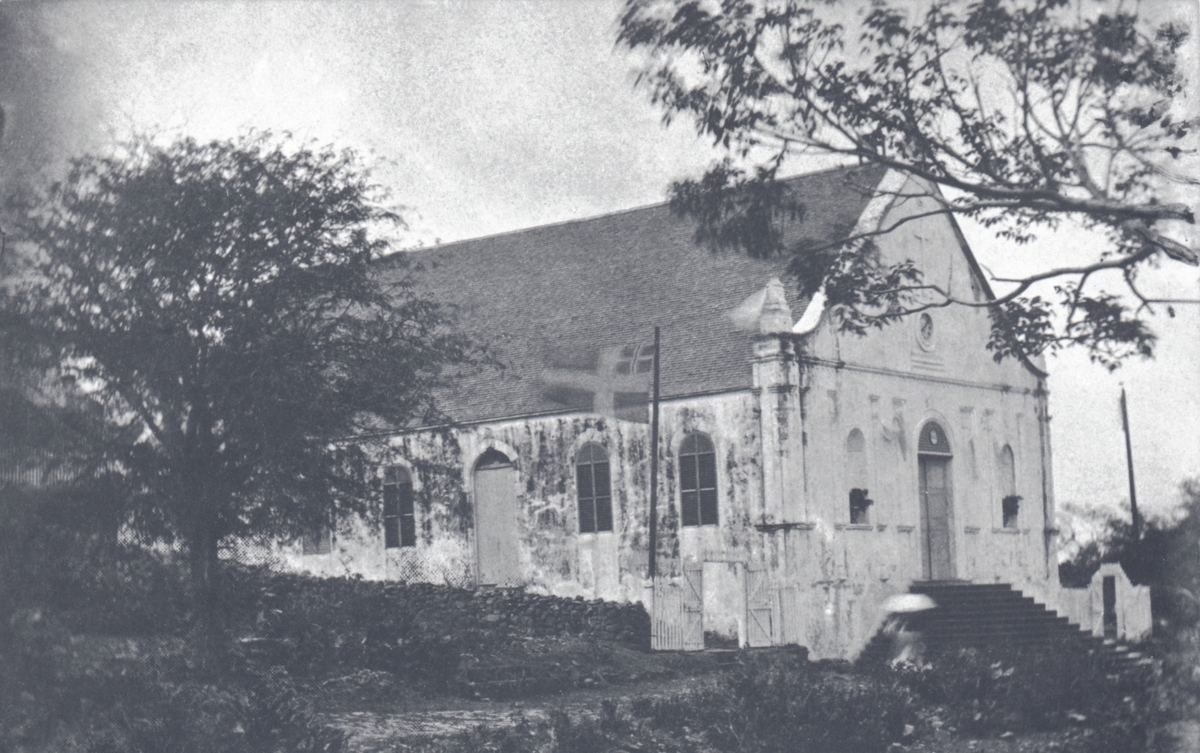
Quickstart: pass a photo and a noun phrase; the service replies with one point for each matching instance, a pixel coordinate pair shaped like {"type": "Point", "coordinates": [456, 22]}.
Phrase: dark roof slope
{"type": "Point", "coordinates": [561, 296]}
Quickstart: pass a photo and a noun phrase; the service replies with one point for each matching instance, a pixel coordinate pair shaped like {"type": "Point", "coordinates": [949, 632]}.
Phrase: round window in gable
{"type": "Point", "coordinates": [925, 332]}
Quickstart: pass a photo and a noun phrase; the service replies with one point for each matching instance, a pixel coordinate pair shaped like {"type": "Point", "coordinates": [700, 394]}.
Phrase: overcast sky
{"type": "Point", "coordinates": [487, 117]}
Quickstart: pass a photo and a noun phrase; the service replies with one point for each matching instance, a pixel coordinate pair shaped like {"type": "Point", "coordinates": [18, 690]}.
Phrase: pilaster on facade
{"type": "Point", "coordinates": [776, 387]}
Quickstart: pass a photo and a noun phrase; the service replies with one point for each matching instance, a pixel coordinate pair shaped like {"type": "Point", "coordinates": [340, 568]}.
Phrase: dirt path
{"type": "Point", "coordinates": [386, 732]}
{"type": "Point", "coordinates": [368, 732]}
{"type": "Point", "coordinates": [380, 731]}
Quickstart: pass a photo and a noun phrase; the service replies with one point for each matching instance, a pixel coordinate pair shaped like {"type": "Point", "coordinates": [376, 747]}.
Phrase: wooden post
{"type": "Point", "coordinates": [652, 569]}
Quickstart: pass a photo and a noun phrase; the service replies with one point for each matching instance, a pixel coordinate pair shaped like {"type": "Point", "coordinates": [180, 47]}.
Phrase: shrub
{"type": "Point", "coordinates": [204, 718]}
{"type": "Point", "coordinates": [992, 690]}
{"type": "Point", "coordinates": [59, 693]}
{"type": "Point", "coordinates": [777, 703]}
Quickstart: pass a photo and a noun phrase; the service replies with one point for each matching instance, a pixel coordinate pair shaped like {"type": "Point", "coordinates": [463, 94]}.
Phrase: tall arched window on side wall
{"type": "Point", "coordinates": [1010, 503]}
{"type": "Point", "coordinates": [856, 478]}
{"type": "Point", "coordinates": [399, 522]}
{"type": "Point", "coordinates": [594, 490]}
{"type": "Point", "coordinates": [698, 481]}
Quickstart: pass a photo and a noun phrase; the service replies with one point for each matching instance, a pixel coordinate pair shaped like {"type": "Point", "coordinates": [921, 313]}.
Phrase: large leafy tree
{"type": "Point", "coordinates": [1021, 114]}
{"type": "Point", "coordinates": [216, 301]}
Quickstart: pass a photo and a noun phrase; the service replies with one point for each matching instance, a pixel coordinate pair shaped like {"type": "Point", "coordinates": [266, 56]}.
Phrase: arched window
{"type": "Point", "coordinates": [1010, 503]}
{"type": "Point", "coordinates": [399, 523]}
{"type": "Point", "coordinates": [594, 490]}
{"type": "Point", "coordinates": [698, 481]}
{"type": "Point", "coordinates": [856, 478]}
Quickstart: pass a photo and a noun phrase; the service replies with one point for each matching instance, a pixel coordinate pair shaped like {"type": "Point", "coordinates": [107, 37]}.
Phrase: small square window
{"type": "Point", "coordinates": [860, 506]}
{"type": "Point", "coordinates": [1011, 506]}
{"type": "Point", "coordinates": [317, 541]}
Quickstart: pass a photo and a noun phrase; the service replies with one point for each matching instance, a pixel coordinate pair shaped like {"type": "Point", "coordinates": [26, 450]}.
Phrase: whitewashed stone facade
{"type": "Point", "coordinates": [796, 420]}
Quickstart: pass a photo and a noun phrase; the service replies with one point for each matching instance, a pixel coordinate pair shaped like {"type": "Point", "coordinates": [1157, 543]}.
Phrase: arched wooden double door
{"type": "Point", "coordinates": [937, 503]}
{"type": "Point", "coordinates": [496, 535]}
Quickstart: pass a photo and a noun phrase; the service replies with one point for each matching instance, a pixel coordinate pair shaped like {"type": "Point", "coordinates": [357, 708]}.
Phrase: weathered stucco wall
{"type": "Point", "coordinates": [852, 568]}
{"type": "Point", "coordinates": [554, 556]}
{"type": "Point", "coordinates": [782, 476]}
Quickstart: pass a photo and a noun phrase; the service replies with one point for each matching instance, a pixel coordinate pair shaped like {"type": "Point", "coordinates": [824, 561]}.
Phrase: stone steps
{"type": "Point", "coordinates": [993, 614]}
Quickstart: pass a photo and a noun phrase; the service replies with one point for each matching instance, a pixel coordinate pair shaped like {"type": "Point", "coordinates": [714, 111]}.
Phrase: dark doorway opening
{"type": "Point", "coordinates": [1109, 589]}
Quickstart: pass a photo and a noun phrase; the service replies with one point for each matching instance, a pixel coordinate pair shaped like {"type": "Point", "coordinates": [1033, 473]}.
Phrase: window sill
{"type": "Point", "coordinates": [906, 529]}
{"type": "Point", "coordinates": [971, 529]}
{"type": "Point", "coordinates": [772, 527]}
{"type": "Point", "coordinates": [1014, 531]}
{"type": "Point", "coordinates": [854, 526]}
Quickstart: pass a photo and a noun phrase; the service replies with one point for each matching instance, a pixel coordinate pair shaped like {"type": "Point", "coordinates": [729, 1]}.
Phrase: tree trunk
{"type": "Point", "coordinates": [208, 618]}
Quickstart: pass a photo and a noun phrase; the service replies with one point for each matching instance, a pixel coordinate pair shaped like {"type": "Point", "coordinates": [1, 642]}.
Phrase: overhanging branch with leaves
{"type": "Point", "coordinates": [1031, 113]}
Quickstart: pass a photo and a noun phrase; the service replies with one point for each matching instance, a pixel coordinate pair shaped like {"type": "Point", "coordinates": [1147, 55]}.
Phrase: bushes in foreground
{"type": "Point", "coordinates": [195, 717]}
{"type": "Point", "coordinates": [986, 692]}
{"type": "Point", "coordinates": [777, 703]}
{"type": "Point", "coordinates": [60, 693]}
{"type": "Point", "coordinates": [312, 626]}
{"type": "Point", "coordinates": [781, 703]}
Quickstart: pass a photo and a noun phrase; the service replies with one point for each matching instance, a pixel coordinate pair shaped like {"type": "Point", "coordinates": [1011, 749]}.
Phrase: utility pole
{"type": "Point", "coordinates": [652, 569]}
{"type": "Point", "coordinates": [1133, 508]}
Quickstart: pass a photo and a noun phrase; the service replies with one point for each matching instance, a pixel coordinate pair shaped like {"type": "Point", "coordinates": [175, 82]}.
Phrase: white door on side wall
{"type": "Point", "coordinates": [496, 532]}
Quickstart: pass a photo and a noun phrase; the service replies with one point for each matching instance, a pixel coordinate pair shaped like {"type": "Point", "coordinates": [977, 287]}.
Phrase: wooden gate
{"type": "Point", "coordinates": [760, 609]}
{"type": "Point", "coordinates": [693, 607]}
{"type": "Point", "coordinates": [677, 619]}
{"type": "Point", "coordinates": [791, 615]}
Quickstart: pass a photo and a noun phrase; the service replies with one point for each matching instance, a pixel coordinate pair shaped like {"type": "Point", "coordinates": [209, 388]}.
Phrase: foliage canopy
{"type": "Point", "coordinates": [1020, 115]}
{"type": "Point", "coordinates": [217, 301]}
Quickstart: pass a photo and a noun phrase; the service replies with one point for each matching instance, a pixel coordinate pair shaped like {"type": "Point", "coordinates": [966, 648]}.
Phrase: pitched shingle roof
{"type": "Point", "coordinates": [554, 296]}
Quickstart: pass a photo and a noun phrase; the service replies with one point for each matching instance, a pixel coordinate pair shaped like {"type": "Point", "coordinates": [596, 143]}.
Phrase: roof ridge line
{"type": "Point", "coordinates": [604, 215]}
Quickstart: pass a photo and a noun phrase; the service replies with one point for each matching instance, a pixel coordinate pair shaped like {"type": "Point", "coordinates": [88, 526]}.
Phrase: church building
{"type": "Point", "coordinates": [805, 474]}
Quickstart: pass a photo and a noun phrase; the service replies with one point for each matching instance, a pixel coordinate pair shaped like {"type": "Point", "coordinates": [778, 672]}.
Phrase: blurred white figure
{"type": "Point", "coordinates": [902, 625]}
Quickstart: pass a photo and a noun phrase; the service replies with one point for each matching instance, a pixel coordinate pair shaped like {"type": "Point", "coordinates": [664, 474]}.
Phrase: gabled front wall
{"type": "Point", "coordinates": [888, 385]}
{"type": "Point", "coordinates": [851, 569]}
